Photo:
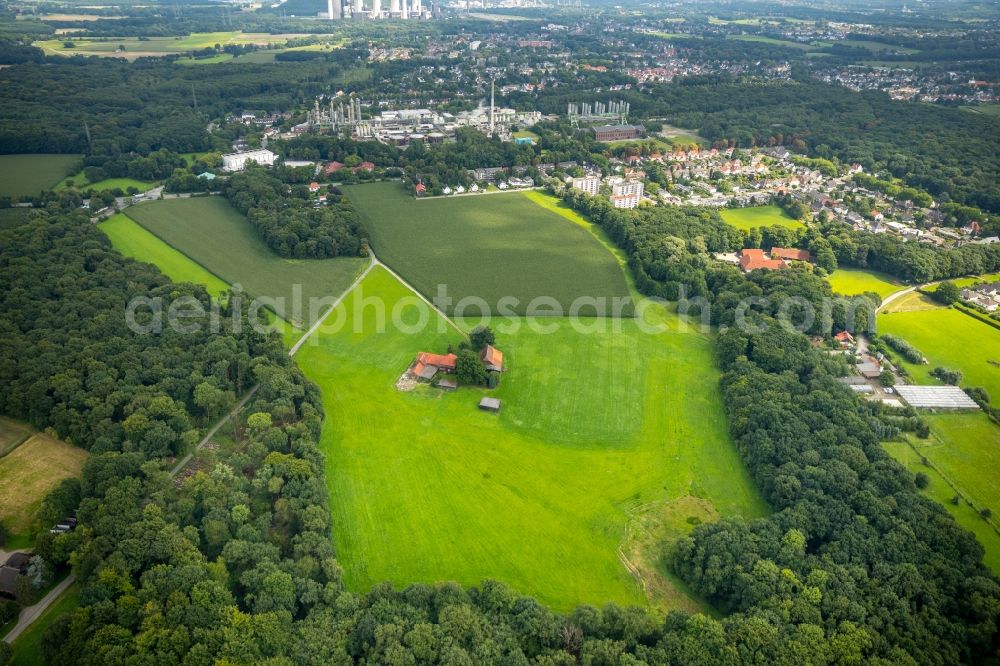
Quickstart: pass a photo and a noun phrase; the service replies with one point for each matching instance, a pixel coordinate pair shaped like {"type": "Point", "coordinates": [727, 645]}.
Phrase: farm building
{"type": "Point", "coordinates": [427, 365]}
{"type": "Point", "coordinates": [753, 259]}
{"type": "Point", "coordinates": [941, 397]}
{"type": "Point", "coordinates": [869, 367]}
{"type": "Point", "coordinates": [492, 358]}
{"type": "Point", "coordinates": [490, 404]}
{"type": "Point", "coordinates": [789, 254]}
{"type": "Point", "coordinates": [844, 338]}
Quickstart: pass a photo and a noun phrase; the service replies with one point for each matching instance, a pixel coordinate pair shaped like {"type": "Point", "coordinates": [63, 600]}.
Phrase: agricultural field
{"type": "Point", "coordinates": [134, 241]}
{"type": "Point", "coordinates": [489, 246]}
{"type": "Point", "coordinates": [940, 491]}
{"type": "Point", "coordinates": [137, 47]}
{"type": "Point", "coordinates": [758, 216]}
{"type": "Point", "coordinates": [770, 40]}
{"type": "Point", "coordinates": [854, 281]}
{"type": "Point", "coordinates": [27, 175]}
{"type": "Point", "coordinates": [951, 339]}
{"type": "Point", "coordinates": [29, 472]}
{"type": "Point", "coordinates": [600, 432]}
{"type": "Point", "coordinates": [216, 236]}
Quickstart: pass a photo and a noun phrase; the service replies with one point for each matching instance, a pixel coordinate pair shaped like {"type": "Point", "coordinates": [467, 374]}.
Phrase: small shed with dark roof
{"type": "Point", "coordinates": [490, 404]}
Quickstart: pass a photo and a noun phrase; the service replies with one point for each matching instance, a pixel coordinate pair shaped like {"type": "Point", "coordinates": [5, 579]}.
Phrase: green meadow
{"type": "Point", "coordinates": [940, 491]}
{"type": "Point", "coordinates": [80, 182]}
{"type": "Point", "coordinates": [215, 235]}
{"type": "Point", "coordinates": [951, 339]}
{"type": "Point", "coordinates": [488, 246]}
{"type": "Point", "coordinates": [27, 649]}
{"type": "Point", "coordinates": [758, 216]}
{"type": "Point", "coordinates": [598, 429]}
{"type": "Point", "coordinates": [854, 281]}
{"type": "Point", "coordinates": [133, 241]}
{"type": "Point", "coordinates": [135, 47]}
{"type": "Point", "coordinates": [28, 175]}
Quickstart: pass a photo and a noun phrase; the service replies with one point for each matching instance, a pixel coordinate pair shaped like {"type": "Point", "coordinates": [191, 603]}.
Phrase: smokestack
{"type": "Point", "coordinates": [493, 84]}
{"type": "Point", "coordinates": [406, 9]}
{"type": "Point", "coordinates": [394, 7]}
{"type": "Point", "coordinates": [376, 8]}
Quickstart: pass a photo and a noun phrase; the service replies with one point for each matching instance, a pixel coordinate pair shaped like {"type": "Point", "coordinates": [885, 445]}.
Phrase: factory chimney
{"type": "Point", "coordinates": [406, 10]}
{"type": "Point", "coordinates": [376, 9]}
{"type": "Point", "coordinates": [394, 7]}
{"type": "Point", "coordinates": [493, 83]}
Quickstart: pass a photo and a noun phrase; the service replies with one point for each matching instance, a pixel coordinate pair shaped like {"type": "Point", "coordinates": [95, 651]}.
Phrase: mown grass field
{"type": "Point", "coordinates": [80, 182]}
{"type": "Point", "coordinates": [157, 46]}
{"type": "Point", "coordinates": [486, 246]}
{"type": "Point", "coordinates": [969, 281]}
{"type": "Point", "coordinates": [27, 649]}
{"type": "Point", "coordinates": [215, 235]}
{"type": "Point", "coordinates": [134, 241]}
{"type": "Point", "coordinates": [758, 216]}
{"type": "Point", "coordinates": [27, 175]}
{"type": "Point", "coordinates": [854, 281]}
{"type": "Point", "coordinates": [29, 472]}
{"type": "Point", "coordinates": [940, 491]}
{"type": "Point", "coordinates": [598, 431]}
{"type": "Point", "coordinates": [951, 339]}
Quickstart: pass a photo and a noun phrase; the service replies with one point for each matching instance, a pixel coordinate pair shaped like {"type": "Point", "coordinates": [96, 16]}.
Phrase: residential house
{"type": "Point", "coordinates": [753, 259]}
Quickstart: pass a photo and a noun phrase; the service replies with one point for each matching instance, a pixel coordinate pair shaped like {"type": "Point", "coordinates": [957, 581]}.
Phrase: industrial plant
{"type": "Point", "coordinates": [396, 9]}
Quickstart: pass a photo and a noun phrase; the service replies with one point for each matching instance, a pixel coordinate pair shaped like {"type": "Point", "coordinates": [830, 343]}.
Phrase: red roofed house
{"type": "Point", "coordinates": [789, 254]}
{"type": "Point", "coordinates": [332, 168]}
{"type": "Point", "coordinates": [314, 186]}
{"type": "Point", "coordinates": [492, 358]}
{"type": "Point", "coordinates": [844, 338]}
{"type": "Point", "coordinates": [427, 365]}
{"type": "Point", "coordinates": [364, 166]}
{"type": "Point", "coordinates": [752, 259]}
{"type": "Point", "coordinates": [420, 188]}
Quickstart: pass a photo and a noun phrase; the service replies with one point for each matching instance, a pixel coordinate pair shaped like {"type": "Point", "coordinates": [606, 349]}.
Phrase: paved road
{"type": "Point", "coordinates": [897, 294]}
{"type": "Point", "coordinates": [32, 613]}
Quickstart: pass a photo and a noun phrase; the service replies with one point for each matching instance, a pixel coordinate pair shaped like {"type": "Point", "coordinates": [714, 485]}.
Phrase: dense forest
{"type": "Point", "coordinates": [290, 223]}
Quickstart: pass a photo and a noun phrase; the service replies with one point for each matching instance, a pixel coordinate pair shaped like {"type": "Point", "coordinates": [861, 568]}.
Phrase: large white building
{"type": "Point", "coordinates": [591, 185]}
{"type": "Point", "coordinates": [625, 200]}
{"type": "Point", "coordinates": [628, 188]}
{"type": "Point", "coordinates": [238, 161]}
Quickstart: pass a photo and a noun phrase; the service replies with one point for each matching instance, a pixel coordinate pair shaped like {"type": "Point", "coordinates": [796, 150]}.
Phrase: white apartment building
{"type": "Point", "coordinates": [625, 200]}
{"type": "Point", "coordinates": [628, 188]}
{"type": "Point", "coordinates": [591, 185]}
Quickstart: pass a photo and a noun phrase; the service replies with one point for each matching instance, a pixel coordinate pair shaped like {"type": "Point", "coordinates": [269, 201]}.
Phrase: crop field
{"type": "Point", "coordinates": [27, 175]}
{"type": "Point", "coordinates": [969, 281]}
{"type": "Point", "coordinates": [854, 281]}
{"type": "Point", "coordinates": [136, 47]}
{"type": "Point", "coordinates": [599, 431]}
{"type": "Point", "coordinates": [216, 236]}
{"type": "Point", "coordinates": [770, 40]}
{"type": "Point", "coordinates": [758, 216]}
{"type": "Point", "coordinates": [29, 472]}
{"type": "Point", "coordinates": [940, 491]}
{"type": "Point", "coordinates": [488, 246]}
{"type": "Point", "coordinates": [133, 241]}
{"type": "Point", "coordinates": [951, 339]}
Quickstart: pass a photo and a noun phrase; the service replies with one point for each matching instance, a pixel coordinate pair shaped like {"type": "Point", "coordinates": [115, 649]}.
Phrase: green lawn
{"type": "Point", "coordinates": [215, 235]}
{"type": "Point", "coordinates": [854, 281]}
{"type": "Point", "coordinates": [598, 430]}
{"type": "Point", "coordinates": [156, 46]}
{"type": "Point", "coordinates": [940, 491]}
{"type": "Point", "coordinates": [969, 281]}
{"type": "Point", "coordinates": [80, 182]}
{"type": "Point", "coordinates": [487, 246]}
{"type": "Point", "coordinates": [758, 216]}
{"type": "Point", "coordinates": [28, 646]}
{"type": "Point", "coordinates": [951, 339]}
{"type": "Point", "coordinates": [28, 175]}
{"type": "Point", "coordinates": [133, 241]}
